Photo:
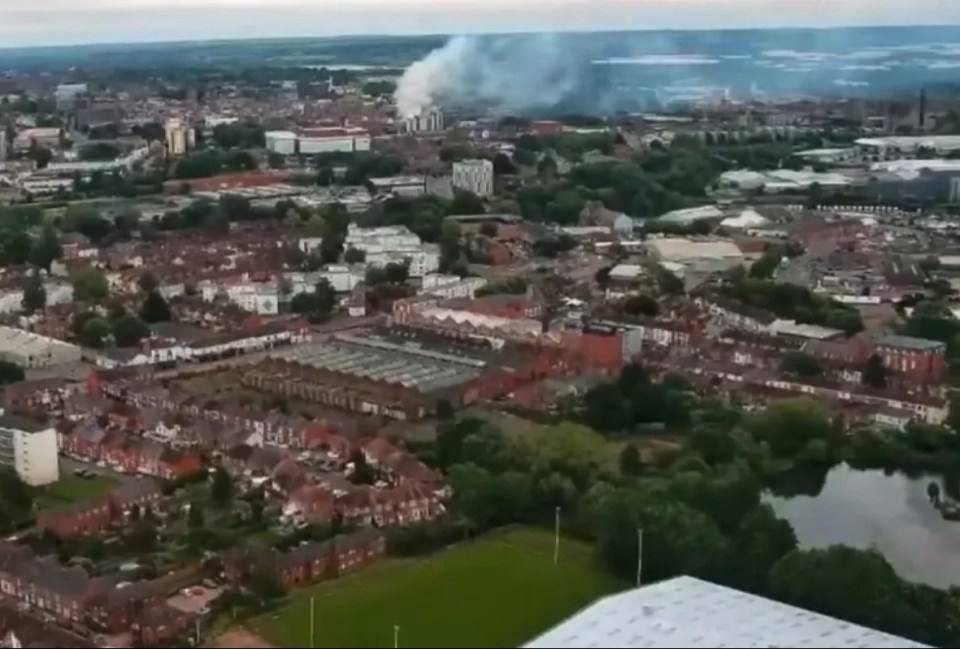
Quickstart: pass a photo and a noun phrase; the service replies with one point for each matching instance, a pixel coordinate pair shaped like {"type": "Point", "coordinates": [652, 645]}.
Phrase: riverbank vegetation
{"type": "Point", "coordinates": [698, 501]}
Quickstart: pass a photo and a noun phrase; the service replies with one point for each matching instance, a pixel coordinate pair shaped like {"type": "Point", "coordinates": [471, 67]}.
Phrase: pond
{"type": "Point", "coordinates": [890, 512]}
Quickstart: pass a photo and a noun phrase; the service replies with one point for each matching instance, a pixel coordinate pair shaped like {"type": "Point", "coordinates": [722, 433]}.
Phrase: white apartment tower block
{"type": "Point", "coordinates": [176, 132]}
{"type": "Point", "coordinates": [475, 176]}
{"type": "Point", "coordinates": [30, 448]}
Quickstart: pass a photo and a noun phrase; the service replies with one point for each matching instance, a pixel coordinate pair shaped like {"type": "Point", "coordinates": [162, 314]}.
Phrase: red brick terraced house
{"type": "Point", "coordinates": [401, 505]}
{"type": "Point", "coordinates": [86, 517]}
{"type": "Point", "coordinates": [309, 563]}
{"type": "Point", "coordinates": [41, 583]}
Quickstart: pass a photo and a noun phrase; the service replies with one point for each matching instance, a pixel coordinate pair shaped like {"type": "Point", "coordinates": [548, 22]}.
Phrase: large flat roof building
{"type": "Point", "coordinates": [30, 350]}
{"type": "Point", "coordinates": [681, 250]}
{"type": "Point", "coordinates": [692, 613]}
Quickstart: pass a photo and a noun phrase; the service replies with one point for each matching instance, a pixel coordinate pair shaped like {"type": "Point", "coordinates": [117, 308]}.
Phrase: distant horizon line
{"type": "Point", "coordinates": [425, 35]}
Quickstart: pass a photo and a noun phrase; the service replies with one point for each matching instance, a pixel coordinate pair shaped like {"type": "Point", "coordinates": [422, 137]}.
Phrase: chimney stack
{"type": "Point", "coordinates": [923, 109]}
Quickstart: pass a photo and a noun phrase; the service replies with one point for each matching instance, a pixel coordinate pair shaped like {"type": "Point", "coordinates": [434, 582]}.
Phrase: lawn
{"type": "Point", "coordinates": [71, 489]}
{"type": "Point", "coordinates": [499, 591]}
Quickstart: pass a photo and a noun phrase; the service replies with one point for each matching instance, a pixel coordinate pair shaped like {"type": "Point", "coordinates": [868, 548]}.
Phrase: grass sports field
{"type": "Point", "coordinates": [499, 591]}
{"type": "Point", "coordinates": [71, 489]}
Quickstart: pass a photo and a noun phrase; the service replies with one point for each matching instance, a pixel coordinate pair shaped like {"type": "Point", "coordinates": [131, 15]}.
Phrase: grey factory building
{"type": "Point", "coordinates": [30, 350]}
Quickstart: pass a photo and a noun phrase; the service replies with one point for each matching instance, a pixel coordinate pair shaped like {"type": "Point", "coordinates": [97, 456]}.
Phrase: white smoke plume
{"type": "Point", "coordinates": [505, 74]}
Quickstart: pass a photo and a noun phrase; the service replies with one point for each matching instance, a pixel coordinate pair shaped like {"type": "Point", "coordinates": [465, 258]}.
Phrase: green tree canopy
{"type": "Point", "coordinates": [129, 330]}
{"type": "Point", "coordinates": [155, 309]}
{"type": "Point", "coordinates": [89, 284]}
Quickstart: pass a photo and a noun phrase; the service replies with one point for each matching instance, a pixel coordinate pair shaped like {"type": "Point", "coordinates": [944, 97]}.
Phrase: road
{"type": "Point", "coordinates": [69, 465]}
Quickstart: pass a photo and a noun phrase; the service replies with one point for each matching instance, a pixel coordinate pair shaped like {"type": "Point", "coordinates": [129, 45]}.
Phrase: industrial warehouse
{"type": "Point", "coordinates": [402, 372]}
{"type": "Point", "coordinates": [29, 350]}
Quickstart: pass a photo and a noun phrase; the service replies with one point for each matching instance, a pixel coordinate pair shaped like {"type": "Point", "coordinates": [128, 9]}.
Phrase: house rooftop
{"type": "Point", "coordinates": [907, 342]}
{"type": "Point", "coordinates": [20, 422]}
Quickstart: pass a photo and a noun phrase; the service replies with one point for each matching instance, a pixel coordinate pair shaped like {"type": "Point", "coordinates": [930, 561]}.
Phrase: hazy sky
{"type": "Point", "coordinates": [44, 22]}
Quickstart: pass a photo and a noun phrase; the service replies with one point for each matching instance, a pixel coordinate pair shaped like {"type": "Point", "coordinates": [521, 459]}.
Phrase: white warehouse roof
{"type": "Point", "coordinates": [683, 250]}
{"type": "Point", "coordinates": [691, 613]}
{"type": "Point", "coordinates": [692, 214]}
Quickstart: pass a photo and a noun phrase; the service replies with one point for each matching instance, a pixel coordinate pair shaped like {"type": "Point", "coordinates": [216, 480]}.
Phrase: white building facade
{"type": "Point", "coordinates": [313, 141]}
{"type": "Point", "coordinates": [30, 448]}
{"type": "Point", "coordinates": [282, 142]}
{"type": "Point", "coordinates": [475, 176]}
{"type": "Point", "coordinates": [176, 134]}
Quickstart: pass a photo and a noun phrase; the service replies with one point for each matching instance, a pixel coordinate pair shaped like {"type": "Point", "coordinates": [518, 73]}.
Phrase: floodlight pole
{"type": "Point", "coordinates": [556, 538]}
{"type": "Point", "coordinates": [312, 624]}
{"type": "Point", "coordinates": [396, 636]}
{"type": "Point", "coordinates": [639, 554]}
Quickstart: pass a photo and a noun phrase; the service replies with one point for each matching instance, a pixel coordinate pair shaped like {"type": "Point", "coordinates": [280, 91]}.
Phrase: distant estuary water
{"type": "Point", "coordinates": [890, 512]}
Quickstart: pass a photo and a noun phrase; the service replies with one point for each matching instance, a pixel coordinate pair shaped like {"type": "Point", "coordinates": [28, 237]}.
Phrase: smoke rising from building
{"type": "Point", "coordinates": [502, 74]}
{"type": "Point", "coordinates": [539, 74]}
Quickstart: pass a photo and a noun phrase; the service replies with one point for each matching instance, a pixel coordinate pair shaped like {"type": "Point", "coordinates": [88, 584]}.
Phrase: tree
{"type": "Point", "coordinates": [764, 267]}
{"type": "Point", "coordinates": [221, 488]}
{"type": "Point", "coordinates": [354, 256]}
{"type": "Point", "coordinates": [40, 154]}
{"type": "Point", "coordinates": [444, 410]}
{"type": "Point", "coordinates": [547, 168]}
{"type": "Point", "coordinates": [814, 195]}
{"type": "Point", "coordinates": [142, 539]}
{"type": "Point", "coordinates": [800, 364]}
{"type": "Point", "coordinates": [317, 306]}
{"type": "Point", "coordinates": [45, 249]}
{"type": "Point", "coordinates": [88, 221]}
{"type": "Point", "coordinates": [99, 151]}
{"type": "Point", "coordinates": [473, 494]}
{"type": "Point", "coordinates": [148, 282]}
{"type": "Point", "coordinates": [199, 165]}
{"type": "Point", "coordinates": [236, 208]}
{"type": "Point", "coordinates": [89, 284]}
{"type": "Point", "coordinates": [218, 222]}
{"type": "Point", "coordinates": [669, 283]}
{"type": "Point", "coordinates": [525, 157]}
{"type": "Point", "coordinates": [34, 295]}
{"type": "Point", "coordinates": [362, 473]}
{"type": "Point", "coordinates": [93, 333]}
{"type": "Point", "coordinates": [641, 305]}
{"type": "Point", "coordinates": [503, 165]}
{"type": "Point", "coordinates": [789, 424]}
{"type": "Point", "coordinates": [465, 202]}
{"type": "Point", "coordinates": [855, 585]}
{"type": "Point", "coordinates": [129, 330]}
{"type": "Point", "coordinates": [195, 516]}
{"type": "Point", "coordinates": [631, 463]}
{"type": "Point", "coordinates": [155, 309]}
{"type": "Point", "coordinates": [265, 586]}
{"type": "Point", "coordinates": [761, 541]}
{"type": "Point", "coordinates": [953, 413]}
{"type": "Point", "coordinates": [10, 373]}
{"type": "Point", "coordinates": [875, 372]}
{"type": "Point", "coordinates": [276, 160]}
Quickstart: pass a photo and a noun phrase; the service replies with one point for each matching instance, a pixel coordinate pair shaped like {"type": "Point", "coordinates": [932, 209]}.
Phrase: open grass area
{"type": "Point", "coordinates": [71, 489]}
{"type": "Point", "coordinates": [499, 591]}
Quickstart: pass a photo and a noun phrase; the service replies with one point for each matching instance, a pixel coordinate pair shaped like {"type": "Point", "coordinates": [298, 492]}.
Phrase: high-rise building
{"type": "Point", "coordinates": [3, 144]}
{"type": "Point", "coordinates": [30, 447]}
{"type": "Point", "coordinates": [176, 132]}
{"type": "Point", "coordinates": [429, 121]}
{"type": "Point", "coordinates": [474, 176]}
